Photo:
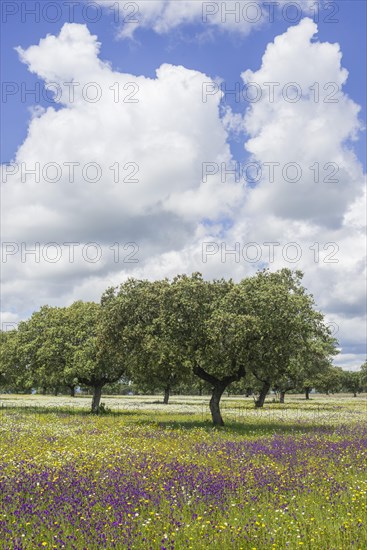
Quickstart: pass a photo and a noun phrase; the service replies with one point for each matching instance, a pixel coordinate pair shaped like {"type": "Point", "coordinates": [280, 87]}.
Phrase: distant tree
{"type": "Point", "coordinates": [312, 359]}
{"type": "Point", "coordinates": [247, 386]}
{"type": "Point", "coordinates": [12, 373]}
{"type": "Point", "coordinates": [121, 387]}
{"type": "Point", "coordinates": [352, 382]}
{"type": "Point", "coordinates": [193, 386]}
{"type": "Point", "coordinates": [363, 375]}
{"type": "Point", "coordinates": [330, 380]}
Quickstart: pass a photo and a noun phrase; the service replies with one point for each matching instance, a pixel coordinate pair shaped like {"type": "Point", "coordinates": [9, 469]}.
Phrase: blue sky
{"type": "Point", "coordinates": [173, 218]}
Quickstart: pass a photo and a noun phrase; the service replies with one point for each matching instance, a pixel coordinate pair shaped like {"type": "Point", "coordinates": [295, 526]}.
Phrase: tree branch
{"type": "Point", "coordinates": [215, 381]}
{"type": "Point", "coordinates": [201, 373]}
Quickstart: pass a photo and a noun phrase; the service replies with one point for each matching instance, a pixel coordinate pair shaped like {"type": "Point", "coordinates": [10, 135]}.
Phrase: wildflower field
{"type": "Point", "coordinates": [150, 476]}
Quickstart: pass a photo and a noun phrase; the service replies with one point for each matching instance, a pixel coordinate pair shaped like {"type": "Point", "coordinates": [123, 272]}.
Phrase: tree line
{"type": "Point", "coordinates": [259, 334]}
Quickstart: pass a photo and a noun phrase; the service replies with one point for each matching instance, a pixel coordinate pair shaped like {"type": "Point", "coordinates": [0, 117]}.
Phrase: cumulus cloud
{"type": "Point", "coordinates": [324, 219]}
{"type": "Point", "coordinates": [158, 131]}
{"type": "Point", "coordinates": [307, 122]}
{"type": "Point", "coordinates": [119, 161]}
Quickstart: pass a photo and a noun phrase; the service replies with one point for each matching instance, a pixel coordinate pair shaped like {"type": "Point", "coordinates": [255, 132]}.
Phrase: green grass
{"type": "Point", "coordinates": [151, 476]}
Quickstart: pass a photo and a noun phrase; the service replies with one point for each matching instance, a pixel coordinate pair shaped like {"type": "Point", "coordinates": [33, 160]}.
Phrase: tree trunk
{"type": "Point", "coordinates": [56, 391]}
{"type": "Point", "coordinates": [72, 391]}
{"type": "Point", "coordinates": [263, 393]}
{"type": "Point", "coordinates": [354, 394]}
{"type": "Point", "coordinates": [97, 394]}
{"type": "Point", "coordinates": [44, 390]}
{"type": "Point", "coordinates": [281, 397]}
{"type": "Point", "coordinates": [218, 387]}
{"type": "Point", "coordinates": [214, 404]}
{"type": "Point", "coordinates": [166, 395]}
{"type": "Point", "coordinates": [307, 393]}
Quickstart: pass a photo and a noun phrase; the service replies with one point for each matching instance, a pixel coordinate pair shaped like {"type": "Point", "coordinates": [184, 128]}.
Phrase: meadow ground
{"type": "Point", "coordinates": [150, 476]}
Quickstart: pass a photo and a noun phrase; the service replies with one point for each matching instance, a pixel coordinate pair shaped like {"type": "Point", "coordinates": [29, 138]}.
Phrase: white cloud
{"type": "Point", "coordinates": [59, 58]}
{"type": "Point", "coordinates": [350, 361]}
{"type": "Point", "coordinates": [160, 139]}
{"type": "Point", "coordinates": [8, 320]}
{"type": "Point", "coordinates": [231, 16]}
{"type": "Point", "coordinates": [304, 132]}
{"type": "Point", "coordinates": [326, 220]}
{"type": "Point", "coordinates": [163, 16]}
{"type": "Point", "coordinates": [170, 212]}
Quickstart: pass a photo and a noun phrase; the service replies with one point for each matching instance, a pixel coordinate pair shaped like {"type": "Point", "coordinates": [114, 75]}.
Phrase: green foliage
{"type": "Point", "coordinates": [12, 375]}
{"type": "Point", "coordinates": [363, 375]}
{"type": "Point", "coordinates": [261, 333]}
{"type": "Point", "coordinates": [292, 332]}
{"type": "Point", "coordinates": [330, 380]}
{"type": "Point", "coordinates": [352, 382]}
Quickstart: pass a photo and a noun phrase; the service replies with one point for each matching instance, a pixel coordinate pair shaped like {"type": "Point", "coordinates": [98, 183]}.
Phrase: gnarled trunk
{"type": "Point", "coordinates": [263, 393]}
{"type": "Point", "coordinates": [218, 387]}
{"type": "Point", "coordinates": [166, 395]}
{"type": "Point", "coordinates": [281, 397]}
{"type": "Point", "coordinates": [96, 400]}
{"type": "Point", "coordinates": [214, 404]}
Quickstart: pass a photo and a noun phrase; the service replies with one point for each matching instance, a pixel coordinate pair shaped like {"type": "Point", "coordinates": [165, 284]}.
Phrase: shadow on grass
{"type": "Point", "coordinates": [183, 421]}
{"type": "Point", "coordinates": [240, 428]}
{"type": "Point", "coordinates": [63, 411]}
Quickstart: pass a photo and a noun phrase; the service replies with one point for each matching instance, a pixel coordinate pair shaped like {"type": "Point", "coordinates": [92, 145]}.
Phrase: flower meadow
{"type": "Point", "coordinates": [167, 480]}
